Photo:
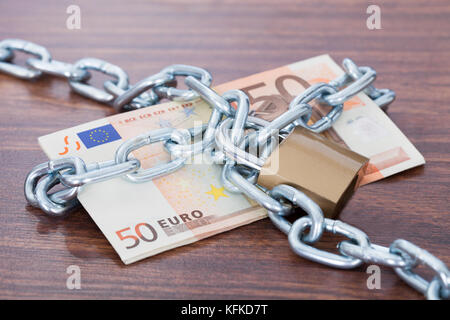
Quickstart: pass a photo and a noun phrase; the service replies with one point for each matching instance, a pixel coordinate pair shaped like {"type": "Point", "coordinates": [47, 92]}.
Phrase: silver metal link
{"type": "Point", "coordinates": [210, 96]}
{"type": "Point", "coordinates": [239, 155]}
{"type": "Point", "coordinates": [209, 135]}
{"type": "Point", "coordinates": [373, 254]}
{"type": "Point", "coordinates": [419, 256]}
{"type": "Point", "coordinates": [139, 88]}
{"type": "Point", "coordinates": [48, 205]}
{"type": "Point", "coordinates": [385, 99]}
{"type": "Point", "coordinates": [320, 91]}
{"type": "Point", "coordinates": [53, 207]}
{"type": "Point", "coordinates": [354, 73]}
{"type": "Point", "coordinates": [253, 192]}
{"type": "Point", "coordinates": [121, 79]}
{"type": "Point", "coordinates": [27, 47]}
{"type": "Point", "coordinates": [295, 238]}
{"type": "Point", "coordinates": [382, 97]}
{"type": "Point", "coordinates": [32, 180]}
{"type": "Point", "coordinates": [146, 99]}
{"type": "Point", "coordinates": [186, 151]}
{"type": "Point", "coordinates": [286, 121]}
{"type": "Point", "coordinates": [59, 69]}
{"type": "Point", "coordinates": [185, 71]}
{"type": "Point", "coordinates": [366, 77]}
{"type": "Point", "coordinates": [150, 137]}
{"type": "Point", "coordinates": [237, 131]}
{"type": "Point", "coordinates": [299, 199]}
{"type": "Point", "coordinates": [100, 172]}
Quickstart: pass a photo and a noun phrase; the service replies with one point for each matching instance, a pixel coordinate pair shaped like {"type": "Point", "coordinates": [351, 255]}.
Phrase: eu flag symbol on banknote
{"type": "Point", "coordinates": [98, 136]}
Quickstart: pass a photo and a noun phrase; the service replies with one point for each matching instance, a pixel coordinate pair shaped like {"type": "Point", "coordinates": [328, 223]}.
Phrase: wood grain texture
{"type": "Point", "coordinates": [231, 39]}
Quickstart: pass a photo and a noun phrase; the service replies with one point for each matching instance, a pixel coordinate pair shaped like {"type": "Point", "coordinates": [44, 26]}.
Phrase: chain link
{"type": "Point", "coordinates": [148, 138]}
{"type": "Point", "coordinates": [240, 142]}
{"type": "Point", "coordinates": [382, 97]}
{"type": "Point", "coordinates": [11, 45]}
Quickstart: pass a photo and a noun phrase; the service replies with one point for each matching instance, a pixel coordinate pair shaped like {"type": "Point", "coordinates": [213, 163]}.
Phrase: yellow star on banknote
{"type": "Point", "coordinates": [217, 192]}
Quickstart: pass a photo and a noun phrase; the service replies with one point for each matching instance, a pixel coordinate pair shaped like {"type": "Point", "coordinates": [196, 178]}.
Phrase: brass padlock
{"type": "Point", "coordinates": [325, 171]}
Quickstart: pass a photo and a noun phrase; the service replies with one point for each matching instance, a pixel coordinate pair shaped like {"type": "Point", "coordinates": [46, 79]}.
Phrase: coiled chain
{"type": "Point", "coordinates": [228, 139]}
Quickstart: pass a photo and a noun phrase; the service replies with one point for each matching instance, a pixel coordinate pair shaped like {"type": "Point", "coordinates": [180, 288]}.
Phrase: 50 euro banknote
{"type": "Point", "coordinates": [144, 219]}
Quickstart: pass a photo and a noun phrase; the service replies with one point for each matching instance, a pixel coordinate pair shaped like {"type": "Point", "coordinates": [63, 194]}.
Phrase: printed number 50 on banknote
{"type": "Point", "coordinates": [141, 220]}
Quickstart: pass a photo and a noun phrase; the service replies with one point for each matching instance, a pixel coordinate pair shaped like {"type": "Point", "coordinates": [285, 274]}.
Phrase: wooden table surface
{"type": "Point", "coordinates": [232, 39]}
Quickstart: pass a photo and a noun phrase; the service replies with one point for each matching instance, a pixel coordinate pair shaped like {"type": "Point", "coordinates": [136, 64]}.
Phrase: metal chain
{"type": "Point", "coordinates": [116, 92]}
{"type": "Point", "coordinates": [231, 141]}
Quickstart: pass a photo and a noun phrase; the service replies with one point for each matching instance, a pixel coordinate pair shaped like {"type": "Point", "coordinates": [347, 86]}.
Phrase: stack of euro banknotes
{"type": "Point", "coordinates": [144, 219]}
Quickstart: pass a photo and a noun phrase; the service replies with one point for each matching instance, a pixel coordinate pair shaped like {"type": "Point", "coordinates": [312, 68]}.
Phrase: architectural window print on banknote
{"type": "Point", "coordinates": [143, 219]}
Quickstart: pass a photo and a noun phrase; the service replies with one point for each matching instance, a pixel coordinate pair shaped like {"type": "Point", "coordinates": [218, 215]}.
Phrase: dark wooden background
{"type": "Point", "coordinates": [231, 39]}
